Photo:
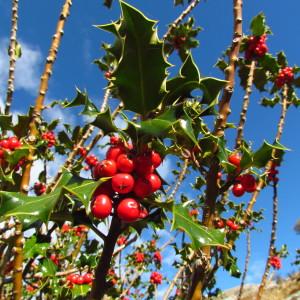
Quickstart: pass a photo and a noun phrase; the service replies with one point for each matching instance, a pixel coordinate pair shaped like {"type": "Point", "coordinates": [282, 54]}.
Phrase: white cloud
{"type": "Point", "coordinates": [256, 270]}
{"type": "Point", "coordinates": [27, 67]}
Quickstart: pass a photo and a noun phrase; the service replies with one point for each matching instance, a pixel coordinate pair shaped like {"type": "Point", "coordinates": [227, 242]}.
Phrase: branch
{"type": "Point", "coordinates": [173, 282]}
{"type": "Point", "coordinates": [179, 179]}
{"type": "Point", "coordinates": [100, 285]}
{"type": "Point", "coordinates": [280, 126]}
{"type": "Point", "coordinates": [240, 129]}
{"type": "Point", "coordinates": [127, 243]}
{"type": "Point", "coordinates": [246, 266]}
{"type": "Point", "coordinates": [18, 262]}
{"type": "Point", "coordinates": [12, 56]}
{"type": "Point", "coordinates": [192, 5]}
{"type": "Point", "coordinates": [197, 284]}
{"type": "Point", "coordinates": [272, 244]}
{"type": "Point", "coordinates": [39, 102]}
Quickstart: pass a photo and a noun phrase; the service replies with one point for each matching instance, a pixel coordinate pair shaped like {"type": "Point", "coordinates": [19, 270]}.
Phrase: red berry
{"type": "Point", "coordinates": [121, 240]}
{"type": "Point", "coordinates": [143, 213]}
{"type": "Point", "coordinates": [220, 224]}
{"type": "Point", "coordinates": [154, 182]}
{"type": "Point", "coordinates": [114, 152]}
{"type": "Point", "coordinates": [194, 212]}
{"type": "Point", "coordinates": [87, 278]}
{"type": "Point", "coordinates": [107, 75]}
{"type": "Point", "coordinates": [114, 140]}
{"type": "Point", "coordinates": [143, 165]}
{"type": "Point", "coordinates": [232, 225]}
{"type": "Point", "coordinates": [125, 164]}
{"type": "Point", "coordinates": [155, 278]}
{"type": "Point", "coordinates": [82, 151]}
{"type": "Point", "coordinates": [2, 154]}
{"type": "Point", "coordinates": [79, 280]}
{"type": "Point", "coordinates": [4, 144]}
{"type": "Point", "coordinates": [105, 168]}
{"type": "Point", "coordinates": [139, 257]}
{"type": "Point", "coordinates": [54, 258]}
{"type": "Point", "coordinates": [155, 159]}
{"type": "Point", "coordinates": [128, 210]}
{"type": "Point", "coordinates": [14, 143]}
{"type": "Point", "coordinates": [101, 206]}
{"type": "Point", "coordinates": [235, 159]}
{"type": "Point", "coordinates": [238, 190]}
{"type": "Point", "coordinates": [142, 188]}
{"type": "Point", "coordinates": [122, 183]}
{"type": "Point", "coordinates": [73, 278]}
{"type": "Point", "coordinates": [157, 257]}
{"type": "Point", "coordinates": [248, 181]}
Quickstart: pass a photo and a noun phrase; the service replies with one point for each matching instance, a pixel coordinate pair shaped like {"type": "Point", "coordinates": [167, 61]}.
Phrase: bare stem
{"type": "Point", "coordinates": [173, 282]}
{"type": "Point", "coordinates": [39, 102]}
{"type": "Point", "coordinates": [12, 56]}
{"type": "Point", "coordinates": [179, 179]}
{"type": "Point", "coordinates": [271, 245]}
{"type": "Point", "coordinates": [247, 260]}
{"type": "Point", "coordinates": [187, 11]}
{"type": "Point", "coordinates": [240, 129]}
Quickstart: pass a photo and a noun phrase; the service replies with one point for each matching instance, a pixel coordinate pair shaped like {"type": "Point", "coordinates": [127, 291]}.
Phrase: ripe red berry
{"type": "Point", "coordinates": [79, 280]}
{"type": "Point", "coordinates": [194, 212]}
{"type": "Point", "coordinates": [275, 262]}
{"type": "Point", "coordinates": [73, 278]}
{"type": "Point", "coordinates": [114, 140]}
{"type": "Point", "coordinates": [238, 190]}
{"type": "Point", "coordinates": [54, 259]}
{"type": "Point", "coordinates": [235, 159]}
{"type": "Point", "coordinates": [2, 154]}
{"type": "Point", "coordinates": [87, 278]}
{"type": "Point", "coordinates": [155, 159]}
{"type": "Point", "coordinates": [157, 257]}
{"type": "Point", "coordinates": [139, 257]}
{"type": "Point", "coordinates": [248, 181]}
{"type": "Point", "coordinates": [82, 151]}
{"type": "Point", "coordinates": [122, 183]}
{"type": "Point", "coordinates": [143, 165]}
{"type": "Point", "coordinates": [107, 75]}
{"type": "Point", "coordinates": [155, 278]}
{"type": "Point", "coordinates": [105, 168]}
{"type": "Point", "coordinates": [121, 240]}
{"type": "Point", "coordinates": [101, 206]}
{"type": "Point", "coordinates": [125, 164]}
{"type": "Point", "coordinates": [142, 188]}
{"type": "Point", "coordinates": [128, 210]}
{"type": "Point", "coordinates": [233, 226]}
{"type": "Point", "coordinates": [14, 143]}
{"type": "Point", "coordinates": [91, 160]}
{"type": "Point", "coordinates": [4, 144]}
{"type": "Point", "coordinates": [154, 182]}
{"type": "Point", "coordinates": [220, 224]}
{"type": "Point", "coordinates": [114, 152]}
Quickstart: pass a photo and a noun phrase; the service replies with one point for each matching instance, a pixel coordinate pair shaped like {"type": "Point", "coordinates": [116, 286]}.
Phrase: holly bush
{"type": "Point", "coordinates": [93, 231]}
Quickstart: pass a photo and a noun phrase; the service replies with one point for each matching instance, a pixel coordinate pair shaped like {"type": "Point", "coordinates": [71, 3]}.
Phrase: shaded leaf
{"type": "Point", "coordinates": [104, 122]}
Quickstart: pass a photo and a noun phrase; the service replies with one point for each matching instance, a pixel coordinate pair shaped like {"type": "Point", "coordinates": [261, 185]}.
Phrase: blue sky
{"type": "Point", "coordinates": [81, 45]}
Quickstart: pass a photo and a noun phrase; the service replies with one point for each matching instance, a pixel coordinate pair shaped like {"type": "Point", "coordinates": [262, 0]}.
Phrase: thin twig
{"type": "Point", "coordinates": [12, 56]}
{"type": "Point", "coordinates": [197, 283]}
{"type": "Point", "coordinates": [240, 128]}
{"type": "Point", "coordinates": [272, 244]}
{"type": "Point", "coordinates": [247, 260]}
{"type": "Point", "coordinates": [187, 11]}
{"type": "Point", "coordinates": [39, 102]}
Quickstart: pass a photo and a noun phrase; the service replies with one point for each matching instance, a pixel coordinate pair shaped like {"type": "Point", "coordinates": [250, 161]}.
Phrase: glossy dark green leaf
{"type": "Point", "coordinates": [281, 59]}
{"type": "Point", "coordinates": [258, 25]}
{"type": "Point", "coordinates": [200, 236]}
{"type": "Point", "coordinates": [64, 139]}
{"type": "Point", "coordinates": [269, 63]}
{"type": "Point", "coordinates": [266, 152]}
{"type": "Point", "coordinates": [21, 128]}
{"type": "Point", "coordinates": [182, 85]}
{"type": "Point", "coordinates": [141, 72]}
{"type": "Point", "coordinates": [221, 64]}
{"type": "Point", "coordinates": [48, 267]}
{"type": "Point", "coordinates": [6, 177]}
{"type": "Point", "coordinates": [5, 122]}
{"type": "Point", "coordinates": [14, 157]}
{"type": "Point", "coordinates": [104, 122]}
{"type": "Point", "coordinates": [82, 99]}
{"type": "Point", "coordinates": [212, 88]}
{"type": "Point", "coordinates": [271, 102]}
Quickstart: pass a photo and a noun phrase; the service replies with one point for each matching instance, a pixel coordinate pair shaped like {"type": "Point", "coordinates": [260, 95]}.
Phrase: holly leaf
{"type": "Point", "coordinates": [48, 268]}
{"type": "Point", "coordinates": [141, 73]}
{"type": "Point", "coordinates": [21, 128]}
{"type": "Point", "coordinates": [5, 122]}
{"type": "Point", "coordinates": [80, 290]}
{"type": "Point", "coordinates": [267, 152]}
{"type": "Point", "coordinates": [281, 59]}
{"type": "Point", "coordinates": [271, 102]}
{"type": "Point", "coordinates": [200, 236]}
{"type": "Point", "coordinates": [33, 249]}
{"type": "Point", "coordinates": [82, 99]}
{"type": "Point", "coordinates": [258, 25]}
{"type": "Point", "coordinates": [104, 122]}
{"type": "Point", "coordinates": [212, 88]}
{"type": "Point", "coordinates": [14, 157]}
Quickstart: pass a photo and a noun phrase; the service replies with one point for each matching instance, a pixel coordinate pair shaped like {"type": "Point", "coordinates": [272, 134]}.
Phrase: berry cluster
{"type": "Point", "coordinates": [82, 151]}
{"type": "Point", "coordinates": [232, 225]}
{"type": "Point", "coordinates": [275, 262]}
{"type": "Point", "coordinates": [285, 76]}
{"type": "Point", "coordinates": [272, 173]}
{"type": "Point", "coordinates": [133, 177]}
{"type": "Point", "coordinates": [157, 257]}
{"type": "Point", "coordinates": [256, 47]}
{"type": "Point", "coordinates": [78, 230]}
{"type": "Point", "coordinates": [155, 278]}
{"type": "Point", "coordinates": [49, 137]}
{"type": "Point", "coordinates": [39, 188]}
{"type": "Point", "coordinates": [244, 183]}
{"type": "Point", "coordinates": [78, 279]}
{"type": "Point", "coordinates": [9, 144]}
{"type": "Point", "coordinates": [91, 160]}
{"type": "Point", "coordinates": [121, 240]}
{"type": "Point", "coordinates": [220, 223]}
{"type": "Point", "coordinates": [139, 257]}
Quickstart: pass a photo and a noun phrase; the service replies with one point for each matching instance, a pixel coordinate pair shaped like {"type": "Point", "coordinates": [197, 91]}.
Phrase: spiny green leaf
{"type": "Point", "coordinates": [104, 122]}
{"type": "Point", "coordinates": [32, 249]}
{"type": "Point", "coordinates": [199, 235]}
{"type": "Point", "coordinates": [21, 128]}
{"type": "Point", "coordinates": [14, 157]}
{"type": "Point", "coordinates": [141, 73]}
{"type": "Point", "coordinates": [5, 122]}
{"type": "Point", "coordinates": [270, 102]}
{"type": "Point", "coordinates": [258, 25]}
{"type": "Point", "coordinates": [266, 152]}
{"type": "Point", "coordinates": [48, 268]}
{"type": "Point", "coordinates": [211, 89]}
{"type": "Point", "coordinates": [187, 80]}
{"type": "Point", "coordinates": [82, 99]}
